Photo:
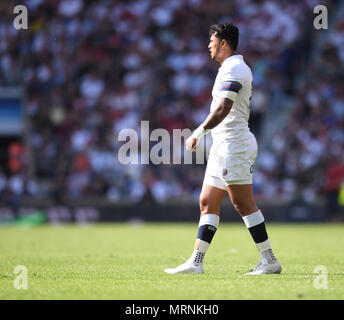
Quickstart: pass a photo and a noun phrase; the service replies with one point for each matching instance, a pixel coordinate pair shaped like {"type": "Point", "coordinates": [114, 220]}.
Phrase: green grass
{"type": "Point", "coordinates": [121, 261]}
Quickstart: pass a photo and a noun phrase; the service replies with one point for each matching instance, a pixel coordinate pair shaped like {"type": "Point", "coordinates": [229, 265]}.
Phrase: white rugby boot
{"type": "Point", "coordinates": [188, 267]}
{"type": "Point", "coordinates": [264, 267]}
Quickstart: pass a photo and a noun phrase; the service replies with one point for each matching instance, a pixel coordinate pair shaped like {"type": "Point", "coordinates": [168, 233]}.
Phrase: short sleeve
{"type": "Point", "coordinates": [231, 82]}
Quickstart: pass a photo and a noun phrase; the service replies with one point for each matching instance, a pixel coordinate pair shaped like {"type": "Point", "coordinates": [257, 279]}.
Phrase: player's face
{"type": "Point", "coordinates": [214, 46]}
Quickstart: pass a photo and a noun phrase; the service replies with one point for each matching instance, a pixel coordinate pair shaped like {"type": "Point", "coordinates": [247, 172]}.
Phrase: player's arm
{"type": "Point", "coordinates": [216, 117]}
{"type": "Point", "coordinates": [230, 86]}
{"type": "Point", "coordinates": [213, 119]}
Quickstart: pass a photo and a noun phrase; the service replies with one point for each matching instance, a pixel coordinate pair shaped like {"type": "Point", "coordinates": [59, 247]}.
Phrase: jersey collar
{"type": "Point", "coordinates": [237, 56]}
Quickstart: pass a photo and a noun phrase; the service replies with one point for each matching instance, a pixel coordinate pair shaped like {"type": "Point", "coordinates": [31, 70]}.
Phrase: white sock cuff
{"type": "Point", "coordinates": [209, 218]}
{"type": "Point", "coordinates": [203, 247]}
{"type": "Point", "coordinates": [263, 246]}
{"type": "Point", "coordinates": [253, 219]}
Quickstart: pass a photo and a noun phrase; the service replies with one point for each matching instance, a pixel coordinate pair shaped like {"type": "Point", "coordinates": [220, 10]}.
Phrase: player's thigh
{"type": "Point", "coordinates": [242, 198]}
{"type": "Point", "coordinates": [210, 199]}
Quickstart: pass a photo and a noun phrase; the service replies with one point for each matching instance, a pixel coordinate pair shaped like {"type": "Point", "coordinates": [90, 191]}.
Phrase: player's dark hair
{"type": "Point", "coordinates": [226, 31]}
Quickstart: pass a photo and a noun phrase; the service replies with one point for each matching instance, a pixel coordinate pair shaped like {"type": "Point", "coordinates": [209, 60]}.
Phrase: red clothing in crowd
{"type": "Point", "coordinates": [334, 177]}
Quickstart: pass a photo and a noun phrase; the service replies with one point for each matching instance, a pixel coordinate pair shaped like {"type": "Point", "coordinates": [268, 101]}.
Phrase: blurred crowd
{"type": "Point", "coordinates": [93, 68]}
{"type": "Point", "coordinates": [306, 156]}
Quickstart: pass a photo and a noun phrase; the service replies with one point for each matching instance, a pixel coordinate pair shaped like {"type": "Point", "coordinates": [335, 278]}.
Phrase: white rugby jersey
{"type": "Point", "coordinates": [233, 81]}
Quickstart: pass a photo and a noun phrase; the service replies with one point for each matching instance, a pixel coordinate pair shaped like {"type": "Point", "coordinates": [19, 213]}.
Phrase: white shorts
{"type": "Point", "coordinates": [231, 162]}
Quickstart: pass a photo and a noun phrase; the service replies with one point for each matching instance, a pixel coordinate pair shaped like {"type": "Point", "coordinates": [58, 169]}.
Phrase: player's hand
{"type": "Point", "coordinates": [191, 144]}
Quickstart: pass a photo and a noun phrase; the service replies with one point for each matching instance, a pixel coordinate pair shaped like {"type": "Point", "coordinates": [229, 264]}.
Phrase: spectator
{"type": "Point", "coordinates": [334, 177]}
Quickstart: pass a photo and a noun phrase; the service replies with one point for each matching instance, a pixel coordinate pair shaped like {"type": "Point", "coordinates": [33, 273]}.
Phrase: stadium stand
{"type": "Point", "coordinates": [92, 68]}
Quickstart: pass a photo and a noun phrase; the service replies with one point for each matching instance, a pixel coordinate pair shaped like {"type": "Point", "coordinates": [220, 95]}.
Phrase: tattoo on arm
{"type": "Point", "coordinates": [216, 117]}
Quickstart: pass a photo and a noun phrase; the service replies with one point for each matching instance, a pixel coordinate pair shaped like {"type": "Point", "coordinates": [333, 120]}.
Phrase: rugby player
{"type": "Point", "coordinates": [232, 154]}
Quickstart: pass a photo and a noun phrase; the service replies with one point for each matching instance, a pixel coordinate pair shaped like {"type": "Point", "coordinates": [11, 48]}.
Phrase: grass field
{"type": "Point", "coordinates": [122, 261]}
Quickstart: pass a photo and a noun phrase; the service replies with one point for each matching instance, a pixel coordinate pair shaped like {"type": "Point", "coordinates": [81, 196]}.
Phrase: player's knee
{"type": "Point", "coordinates": [237, 206]}
{"type": "Point", "coordinates": [242, 207]}
{"type": "Point", "coordinates": [203, 205]}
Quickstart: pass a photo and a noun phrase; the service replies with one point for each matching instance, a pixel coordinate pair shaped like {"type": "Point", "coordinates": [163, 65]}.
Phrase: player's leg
{"type": "Point", "coordinates": [210, 202]}
{"type": "Point", "coordinates": [242, 198]}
